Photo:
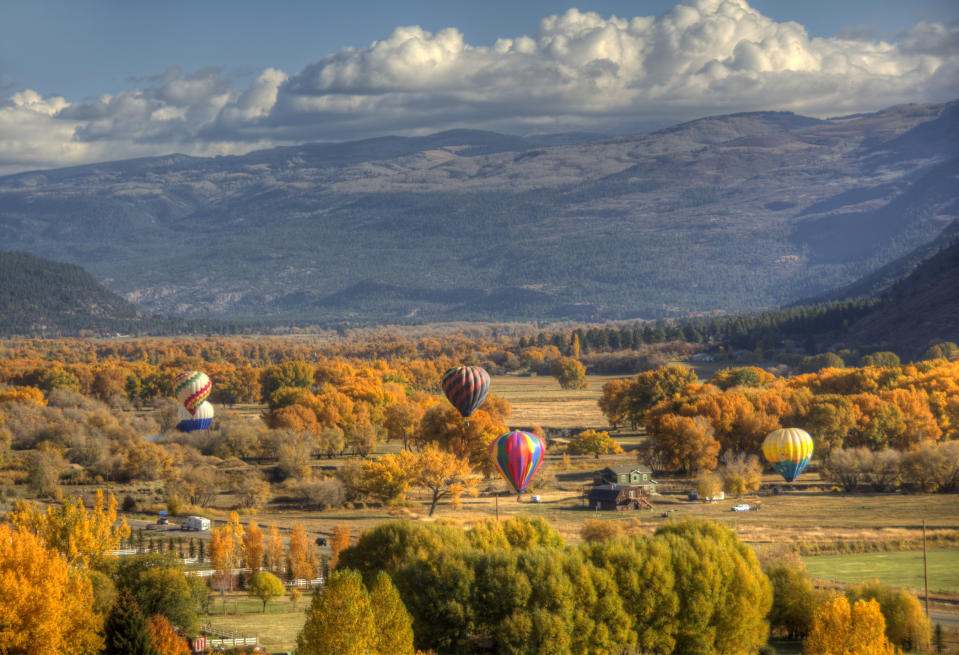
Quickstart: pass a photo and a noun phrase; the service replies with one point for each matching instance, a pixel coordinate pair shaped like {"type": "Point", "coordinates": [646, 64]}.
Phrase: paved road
{"type": "Point", "coordinates": [950, 619]}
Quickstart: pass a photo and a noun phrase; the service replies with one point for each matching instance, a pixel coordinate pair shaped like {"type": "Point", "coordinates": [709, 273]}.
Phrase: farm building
{"type": "Point", "coordinates": [618, 497]}
{"type": "Point", "coordinates": [637, 476]}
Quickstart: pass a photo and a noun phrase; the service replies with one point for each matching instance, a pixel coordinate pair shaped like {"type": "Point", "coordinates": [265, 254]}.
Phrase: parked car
{"type": "Point", "coordinates": [741, 508]}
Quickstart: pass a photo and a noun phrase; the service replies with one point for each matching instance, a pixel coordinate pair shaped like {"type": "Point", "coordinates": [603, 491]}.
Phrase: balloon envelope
{"type": "Point", "coordinates": [192, 388]}
{"type": "Point", "coordinates": [466, 387]}
{"type": "Point", "coordinates": [199, 420]}
{"type": "Point", "coordinates": [789, 451]}
{"type": "Point", "coordinates": [517, 455]}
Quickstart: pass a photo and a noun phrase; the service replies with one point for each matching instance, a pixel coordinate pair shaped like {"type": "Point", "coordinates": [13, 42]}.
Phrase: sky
{"type": "Point", "coordinates": [93, 80]}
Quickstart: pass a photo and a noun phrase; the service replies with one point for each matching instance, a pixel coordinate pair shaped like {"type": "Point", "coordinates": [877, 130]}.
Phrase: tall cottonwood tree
{"type": "Point", "coordinates": [340, 619]}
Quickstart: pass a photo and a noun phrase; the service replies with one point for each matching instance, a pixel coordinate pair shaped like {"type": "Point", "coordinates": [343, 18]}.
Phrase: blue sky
{"type": "Point", "coordinates": [85, 81]}
{"type": "Point", "coordinates": [79, 48]}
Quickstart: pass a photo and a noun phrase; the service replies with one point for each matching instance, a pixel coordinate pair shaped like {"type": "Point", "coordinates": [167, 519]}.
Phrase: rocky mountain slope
{"type": "Point", "coordinates": [729, 213]}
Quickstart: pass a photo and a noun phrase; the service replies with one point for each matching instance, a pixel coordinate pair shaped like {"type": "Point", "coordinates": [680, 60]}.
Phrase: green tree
{"type": "Point", "coordinates": [883, 359]}
{"type": "Point", "coordinates": [569, 372]}
{"type": "Point", "coordinates": [794, 600]}
{"type": "Point", "coordinates": [907, 625]}
{"type": "Point", "coordinates": [651, 387]}
{"type": "Point", "coordinates": [125, 629]}
{"type": "Point", "coordinates": [160, 586]}
{"type": "Point", "coordinates": [286, 374]}
{"type": "Point", "coordinates": [339, 620]}
{"type": "Point", "coordinates": [814, 363]}
{"type": "Point", "coordinates": [265, 586]}
{"type": "Point", "coordinates": [394, 625]}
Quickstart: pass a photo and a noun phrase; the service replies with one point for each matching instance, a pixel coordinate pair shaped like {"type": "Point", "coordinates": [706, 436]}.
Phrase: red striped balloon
{"type": "Point", "coordinates": [517, 456]}
{"type": "Point", "coordinates": [192, 388]}
{"type": "Point", "coordinates": [466, 387]}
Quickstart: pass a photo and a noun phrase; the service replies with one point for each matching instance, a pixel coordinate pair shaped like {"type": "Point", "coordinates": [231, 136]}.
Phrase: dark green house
{"type": "Point", "coordinates": [636, 476]}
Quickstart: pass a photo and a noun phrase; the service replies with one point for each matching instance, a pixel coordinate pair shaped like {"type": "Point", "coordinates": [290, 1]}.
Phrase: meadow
{"type": "Point", "coordinates": [897, 569]}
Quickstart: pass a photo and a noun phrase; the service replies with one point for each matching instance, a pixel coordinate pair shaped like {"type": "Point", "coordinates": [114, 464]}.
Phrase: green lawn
{"type": "Point", "coordinates": [897, 569]}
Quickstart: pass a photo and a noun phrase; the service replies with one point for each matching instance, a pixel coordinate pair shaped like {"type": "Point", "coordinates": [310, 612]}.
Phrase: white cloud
{"type": "Point", "coordinates": [578, 71]}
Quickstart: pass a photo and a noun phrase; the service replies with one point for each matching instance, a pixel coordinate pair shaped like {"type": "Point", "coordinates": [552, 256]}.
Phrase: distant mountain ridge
{"type": "Point", "coordinates": [727, 213]}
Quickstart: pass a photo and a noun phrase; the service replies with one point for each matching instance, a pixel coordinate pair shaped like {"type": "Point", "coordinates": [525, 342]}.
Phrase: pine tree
{"type": "Point", "coordinates": [125, 629]}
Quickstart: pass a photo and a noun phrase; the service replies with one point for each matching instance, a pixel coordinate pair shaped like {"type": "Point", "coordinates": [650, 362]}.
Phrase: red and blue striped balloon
{"type": "Point", "coordinates": [466, 387]}
{"type": "Point", "coordinates": [191, 389]}
{"type": "Point", "coordinates": [517, 455]}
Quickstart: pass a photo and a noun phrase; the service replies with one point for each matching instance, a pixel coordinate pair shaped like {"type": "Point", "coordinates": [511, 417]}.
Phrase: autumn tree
{"type": "Point", "coordinates": [470, 440]}
{"type": "Point", "coordinates": [569, 372]}
{"type": "Point", "coordinates": [681, 443]}
{"type": "Point", "coordinates": [221, 556]}
{"type": "Point", "coordinates": [708, 484]}
{"type": "Point", "coordinates": [385, 478]}
{"type": "Point", "coordinates": [265, 586]}
{"type": "Point", "coordinates": [591, 442]}
{"type": "Point", "coordinates": [394, 626]}
{"type": "Point", "coordinates": [740, 473]}
{"type": "Point", "coordinates": [340, 619]}
{"type": "Point", "coordinates": [83, 537]}
{"type": "Point", "coordinates": [46, 606]}
{"type": "Point", "coordinates": [273, 551]}
{"type": "Point", "coordinates": [840, 630]}
{"type": "Point", "coordinates": [253, 547]}
{"type": "Point", "coordinates": [339, 542]}
{"type": "Point", "coordinates": [907, 625]}
{"type": "Point", "coordinates": [443, 474]}
{"type": "Point", "coordinates": [652, 387]}
{"type": "Point", "coordinates": [165, 638]}
{"type": "Point", "coordinates": [612, 401]}
{"type": "Point", "coordinates": [286, 374]}
{"type": "Point", "coordinates": [300, 556]}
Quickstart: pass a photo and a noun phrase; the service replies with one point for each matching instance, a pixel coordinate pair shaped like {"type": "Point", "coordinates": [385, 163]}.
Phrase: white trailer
{"type": "Point", "coordinates": [197, 523]}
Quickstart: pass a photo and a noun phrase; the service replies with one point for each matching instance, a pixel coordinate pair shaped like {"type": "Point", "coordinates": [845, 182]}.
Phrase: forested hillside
{"type": "Point", "coordinates": [37, 295]}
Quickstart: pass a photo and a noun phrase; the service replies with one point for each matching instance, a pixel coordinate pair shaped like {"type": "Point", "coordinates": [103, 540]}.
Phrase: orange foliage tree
{"type": "Point", "coordinates": [841, 630]}
{"type": "Point", "coordinates": [46, 605]}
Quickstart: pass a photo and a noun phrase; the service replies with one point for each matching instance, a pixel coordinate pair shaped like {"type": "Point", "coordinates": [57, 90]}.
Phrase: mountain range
{"type": "Point", "coordinates": [724, 214]}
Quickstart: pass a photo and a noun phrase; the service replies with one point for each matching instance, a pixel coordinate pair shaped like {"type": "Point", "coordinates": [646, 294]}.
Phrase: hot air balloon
{"type": "Point", "coordinates": [788, 450]}
{"type": "Point", "coordinates": [192, 388]}
{"type": "Point", "coordinates": [199, 420]}
{"type": "Point", "coordinates": [517, 455]}
{"type": "Point", "coordinates": [466, 387]}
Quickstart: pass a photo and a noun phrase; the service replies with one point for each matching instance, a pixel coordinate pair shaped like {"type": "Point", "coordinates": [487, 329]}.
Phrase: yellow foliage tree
{"type": "Point", "coordinates": [340, 620]}
{"type": "Point", "coordinates": [22, 395]}
{"type": "Point", "coordinates": [46, 605]}
{"type": "Point", "coordinates": [444, 474]}
{"type": "Point", "coordinates": [841, 630]}
{"type": "Point", "coordinates": [83, 537]}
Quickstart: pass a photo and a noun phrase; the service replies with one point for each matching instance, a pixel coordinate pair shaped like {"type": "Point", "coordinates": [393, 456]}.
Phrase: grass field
{"type": "Point", "coordinates": [539, 400]}
{"type": "Point", "coordinates": [276, 629]}
{"type": "Point", "coordinates": [897, 569]}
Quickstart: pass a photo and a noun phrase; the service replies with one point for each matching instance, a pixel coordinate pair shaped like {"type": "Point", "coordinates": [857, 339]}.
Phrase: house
{"type": "Point", "coordinates": [639, 476]}
{"type": "Point", "coordinates": [618, 497]}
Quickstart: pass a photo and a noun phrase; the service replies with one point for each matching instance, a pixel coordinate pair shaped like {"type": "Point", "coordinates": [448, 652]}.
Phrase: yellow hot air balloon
{"type": "Point", "coordinates": [788, 450]}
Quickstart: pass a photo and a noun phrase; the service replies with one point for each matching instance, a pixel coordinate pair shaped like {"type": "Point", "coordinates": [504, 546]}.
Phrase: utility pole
{"type": "Point", "coordinates": [925, 568]}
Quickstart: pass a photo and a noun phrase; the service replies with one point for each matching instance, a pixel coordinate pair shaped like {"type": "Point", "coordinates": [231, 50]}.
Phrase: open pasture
{"type": "Point", "coordinates": [539, 400]}
{"type": "Point", "coordinates": [897, 569]}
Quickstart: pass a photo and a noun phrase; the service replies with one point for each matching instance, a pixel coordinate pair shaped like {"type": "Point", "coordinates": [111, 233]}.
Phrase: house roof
{"type": "Point", "coordinates": [605, 492]}
{"type": "Point", "coordinates": [622, 469]}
